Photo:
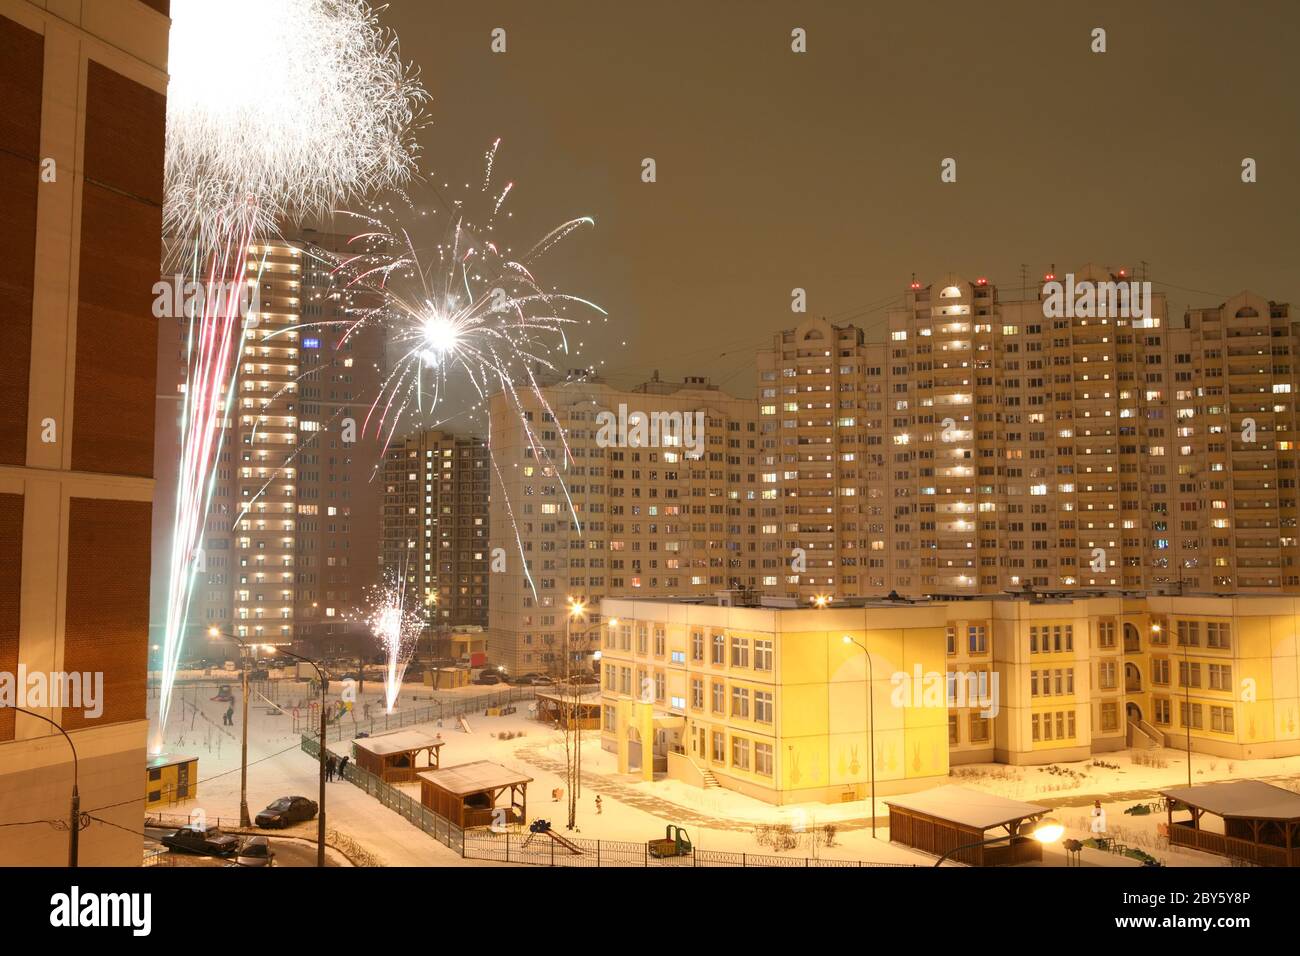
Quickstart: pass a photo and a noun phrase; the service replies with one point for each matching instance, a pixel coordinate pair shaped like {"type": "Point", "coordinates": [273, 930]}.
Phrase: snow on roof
{"type": "Point", "coordinates": [566, 697]}
{"type": "Point", "coordinates": [397, 742]}
{"type": "Point", "coordinates": [1240, 798]}
{"type": "Point", "coordinates": [969, 808]}
{"type": "Point", "coordinates": [475, 777]}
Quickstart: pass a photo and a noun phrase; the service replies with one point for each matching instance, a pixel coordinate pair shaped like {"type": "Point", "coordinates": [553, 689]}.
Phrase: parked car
{"type": "Point", "coordinates": [536, 680]}
{"type": "Point", "coordinates": [488, 677]}
{"type": "Point", "coordinates": [286, 811]}
{"type": "Point", "coordinates": [256, 851]}
{"type": "Point", "coordinates": [207, 842]}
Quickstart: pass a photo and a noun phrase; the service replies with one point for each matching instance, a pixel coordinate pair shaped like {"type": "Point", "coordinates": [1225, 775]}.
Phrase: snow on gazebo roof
{"type": "Point", "coordinates": [398, 742]}
{"type": "Point", "coordinates": [965, 807]}
{"type": "Point", "coordinates": [1253, 799]}
{"type": "Point", "coordinates": [476, 777]}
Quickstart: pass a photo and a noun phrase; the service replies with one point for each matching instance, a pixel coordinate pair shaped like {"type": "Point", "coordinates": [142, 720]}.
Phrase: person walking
{"type": "Point", "coordinates": [597, 804]}
{"type": "Point", "coordinates": [329, 768]}
{"type": "Point", "coordinates": [343, 765]}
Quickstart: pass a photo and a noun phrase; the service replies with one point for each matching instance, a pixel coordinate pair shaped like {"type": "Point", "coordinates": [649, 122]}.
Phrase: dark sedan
{"type": "Point", "coordinates": [208, 842]}
{"type": "Point", "coordinates": [285, 812]}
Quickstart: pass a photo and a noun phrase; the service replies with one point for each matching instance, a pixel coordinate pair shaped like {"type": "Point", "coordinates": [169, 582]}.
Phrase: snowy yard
{"type": "Point", "coordinates": [635, 811]}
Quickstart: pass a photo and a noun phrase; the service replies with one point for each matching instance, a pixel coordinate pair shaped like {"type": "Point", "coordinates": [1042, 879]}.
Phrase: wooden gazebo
{"type": "Point", "coordinates": [394, 758]}
{"type": "Point", "coordinates": [558, 708]}
{"type": "Point", "coordinates": [941, 820]}
{"type": "Point", "coordinates": [1260, 822]}
{"type": "Point", "coordinates": [467, 794]}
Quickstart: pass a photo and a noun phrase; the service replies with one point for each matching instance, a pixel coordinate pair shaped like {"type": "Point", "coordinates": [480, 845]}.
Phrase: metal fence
{"type": "Point", "coordinates": [157, 857]}
{"type": "Point", "coordinates": [542, 850]}
{"type": "Point", "coordinates": [347, 728]}
{"type": "Point", "coordinates": [178, 821]}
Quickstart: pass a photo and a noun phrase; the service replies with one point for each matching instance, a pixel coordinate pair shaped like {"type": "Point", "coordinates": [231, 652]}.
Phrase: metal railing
{"type": "Point", "coordinates": [541, 850]}
{"type": "Point", "coordinates": [346, 728]}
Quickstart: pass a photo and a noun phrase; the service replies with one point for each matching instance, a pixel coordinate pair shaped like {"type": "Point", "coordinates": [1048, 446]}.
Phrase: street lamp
{"type": "Point", "coordinates": [577, 609]}
{"type": "Point", "coordinates": [1046, 831]}
{"type": "Point", "coordinates": [871, 735]}
{"type": "Point", "coordinates": [244, 819]}
{"type": "Point", "coordinates": [820, 601]}
{"type": "Point", "coordinates": [320, 819]}
{"type": "Point", "coordinates": [74, 814]}
{"type": "Point", "coordinates": [1187, 703]}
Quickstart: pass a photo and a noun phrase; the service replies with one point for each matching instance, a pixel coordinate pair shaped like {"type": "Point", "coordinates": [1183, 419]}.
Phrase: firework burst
{"type": "Point", "coordinates": [396, 625]}
{"type": "Point", "coordinates": [280, 111]}
{"type": "Point", "coordinates": [468, 318]}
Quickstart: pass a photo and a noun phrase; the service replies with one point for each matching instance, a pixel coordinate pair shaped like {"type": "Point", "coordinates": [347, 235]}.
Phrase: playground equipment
{"type": "Point", "coordinates": [674, 843]}
{"type": "Point", "coordinates": [223, 694]}
{"type": "Point", "coordinates": [543, 828]}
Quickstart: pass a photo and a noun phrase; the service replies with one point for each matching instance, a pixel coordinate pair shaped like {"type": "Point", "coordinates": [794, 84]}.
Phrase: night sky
{"type": "Point", "coordinates": [821, 170]}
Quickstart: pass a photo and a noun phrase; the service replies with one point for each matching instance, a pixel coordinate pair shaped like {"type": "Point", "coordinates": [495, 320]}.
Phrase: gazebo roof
{"type": "Point", "coordinates": [1250, 799]}
{"type": "Point", "coordinates": [401, 741]}
{"type": "Point", "coordinates": [476, 777]}
{"type": "Point", "coordinates": [965, 807]}
{"type": "Point", "coordinates": [564, 698]}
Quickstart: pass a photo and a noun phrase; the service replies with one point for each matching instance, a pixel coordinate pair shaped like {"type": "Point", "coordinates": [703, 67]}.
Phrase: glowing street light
{"type": "Point", "coordinates": [1047, 830]}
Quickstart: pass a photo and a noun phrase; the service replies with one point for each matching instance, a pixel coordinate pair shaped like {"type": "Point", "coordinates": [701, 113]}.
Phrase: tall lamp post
{"type": "Point", "coordinates": [320, 818]}
{"type": "Point", "coordinates": [576, 610]}
{"type": "Point", "coordinates": [74, 812]}
{"type": "Point", "coordinates": [871, 735]}
{"type": "Point", "coordinates": [244, 819]}
{"type": "Point", "coordinates": [1045, 831]}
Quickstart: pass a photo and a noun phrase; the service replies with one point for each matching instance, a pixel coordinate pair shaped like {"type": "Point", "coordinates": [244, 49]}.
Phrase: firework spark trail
{"type": "Point", "coordinates": [212, 372]}
{"type": "Point", "coordinates": [397, 627]}
{"type": "Point", "coordinates": [270, 125]}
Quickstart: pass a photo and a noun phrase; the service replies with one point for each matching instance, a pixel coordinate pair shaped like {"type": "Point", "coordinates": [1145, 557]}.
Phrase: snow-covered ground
{"type": "Point", "coordinates": [633, 810]}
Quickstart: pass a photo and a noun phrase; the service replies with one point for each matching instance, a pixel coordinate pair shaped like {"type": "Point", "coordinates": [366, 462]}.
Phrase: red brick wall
{"type": "Point", "coordinates": [106, 624]}
{"type": "Point", "coordinates": [11, 580]}
{"type": "Point", "coordinates": [121, 236]}
{"type": "Point", "coordinates": [22, 58]}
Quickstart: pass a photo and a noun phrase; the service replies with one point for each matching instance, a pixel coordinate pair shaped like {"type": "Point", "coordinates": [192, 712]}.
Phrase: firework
{"type": "Point", "coordinates": [467, 318]}
{"type": "Point", "coordinates": [396, 625]}
{"type": "Point", "coordinates": [280, 111]}
{"type": "Point", "coordinates": [276, 112]}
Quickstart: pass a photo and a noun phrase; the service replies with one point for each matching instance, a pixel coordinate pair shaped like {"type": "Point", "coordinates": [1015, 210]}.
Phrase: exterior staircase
{"type": "Point", "coordinates": [1143, 736]}
{"type": "Point", "coordinates": [709, 779]}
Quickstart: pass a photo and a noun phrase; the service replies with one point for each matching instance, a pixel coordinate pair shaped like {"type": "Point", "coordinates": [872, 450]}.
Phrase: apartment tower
{"type": "Point", "coordinates": [586, 505]}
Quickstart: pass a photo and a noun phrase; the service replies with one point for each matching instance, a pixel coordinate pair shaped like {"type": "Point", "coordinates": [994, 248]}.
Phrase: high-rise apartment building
{"type": "Point", "coordinates": [292, 539]}
{"type": "Point", "coordinates": [435, 524]}
{"type": "Point", "coordinates": [81, 185]}
{"type": "Point", "coordinates": [991, 445]}
{"type": "Point", "coordinates": [605, 500]}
